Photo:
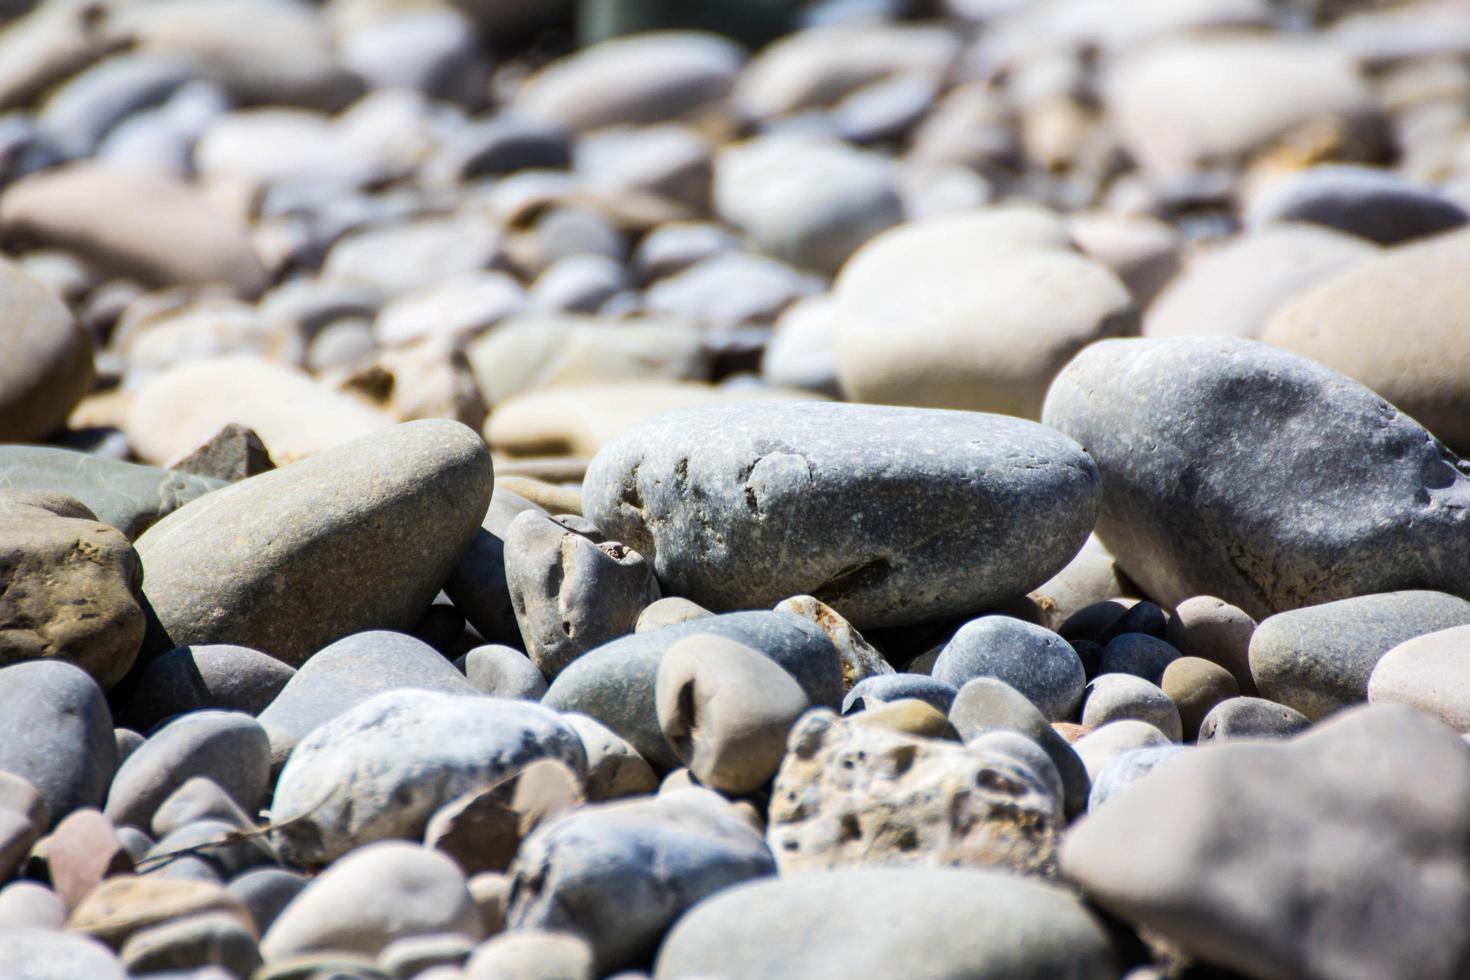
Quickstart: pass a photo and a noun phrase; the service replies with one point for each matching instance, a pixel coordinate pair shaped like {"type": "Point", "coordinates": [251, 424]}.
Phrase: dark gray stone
{"type": "Point", "coordinates": [56, 733]}
{"type": "Point", "coordinates": [347, 673]}
{"type": "Point", "coordinates": [933, 922]}
{"type": "Point", "coordinates": [208, 676]}
{"type": "Point", "coordinates": [1272, 482]}
{"type": "Point", "coordinates": [1340, 853]}
{"type": "Point", "coordinates": [214, 842]}
{"type": "Point", "coordinates": [1138, 654]}
{"type": "Point", "coordinates": [883, 688]}
{"type": "Point", "coordinates": [231, 454]}
{"type": "Point", "coordinates": [193, 942]}
{"type": "Point", "coordinates": [987, 705]}
{"type": "Point", "coordinates": [128, 496]}
{"type": "Point", "coordinates": [1031, 659]}
{"type": "Point", "coordinates": [381, 769]}
{"type": "Point", "coordinates": [615, 682]}
{"type": "Point", "coordinates": [889, 515]}
{"type": "Point", "coordinates": [501, 145]}
{"type": "Point", "coordinates": [1371, 203]}
{"type": "Point", "coordinates": [227, 747]}
{"type": "Point", "coordinates": [1246, 717]}
{"type": "Point", "coordinates": [571, 589]}
{"type": "Point", "coordinates": [360, 536]}
{"type": "Point", "coordinates": [266, 892]}
{"type": "Point", "coordinates": [199, 798]}
{"type": "Point", "coordinates": [619, 874]}
{"type": "Point", "coordinates": [1318, 659]}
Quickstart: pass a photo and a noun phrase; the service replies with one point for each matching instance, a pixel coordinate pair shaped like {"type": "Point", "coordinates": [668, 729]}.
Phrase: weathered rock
{"type": "Point", "coordinates": [381, 893]}
{"type": "Point", "coordinates": [1236, 718]}
{"type": "Point", "coordinates": [1430, 672]}
{"type": "Point", "coordinates": [1420, 365]}
{"type": "Point", "coordinates": [48, 364]}
{"type": "Point", "coordinates": [56, 733]}
{"type": "Point", "coordinates": [571, 589]}
{"type": "Point", "coordinates": [1214, 630]}
{"type": "Point", "coordinates": [860, 660]}
{"type": "Point", "coordinates": [348, 672]}
{"type": "Point", "coordinates": [619, 874]}
{"type": "Point", "coordinates": [71, 587]}
{"type": "Point", "coordinates": [1033, 660]}
{"type": "Point", "coordinates": [849, 794]}
{"type": "Point", "coordinates": [1361, 907]}
{"type": "Point", "coordinates": [382, 768]}
{"type": "Point", "coordinates": [1253, 523]}
{"type": "Point", "coordinates": [227, 747]}
{"type": "Point", "coordinates": [389, 514]}
{"type": "Point", "coordinates": [616, 683]}
{"type": "Point", "coordinates": [133, 225]}
{"type": "Point", "coordinates": [725, 710]}
{"type": "Point", "coordinates": [127, 496]}
{"type": "Point", "coordinates": [1318, 659]}
{"type": "Point", "coordinates": [957, 923]}
{"type": "Point", "coordinates": [220, 676]}
{"type": "Point", "coordinates": [994, 303]}
{"type": "Point", "coordinates": [741, 507]}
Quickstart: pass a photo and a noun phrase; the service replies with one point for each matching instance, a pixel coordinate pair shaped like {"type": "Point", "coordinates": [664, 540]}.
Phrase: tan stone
{"type": "Point", "coordinates": [127, 904]}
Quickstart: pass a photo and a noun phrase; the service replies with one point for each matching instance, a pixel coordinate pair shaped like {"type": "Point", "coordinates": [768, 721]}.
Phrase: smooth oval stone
{"type": "Point", "coordinates": [266, 892]}
{"type": "Point", "coordinates": [994, 303]}
{"type": "Point", "coordinates": [1098, 748]}
{"type": "Point", "coordinates": [1170, 854]}
{"type": "Point", "coordinates": [532, 954]}
{"type": "Point", "coordinates": [1420, 366]}
{"type": "Point", "coordinates": [48, 359]}
{"type": "Point", "coordinates": [217, 940]}
{"type": "Point", "coordinates": [1378, 205]}
{"type": "Point", "coordinates": [1138, 654]}
{"type": "Point", "coordinates": [355, 538]}
{"type": "Point", "coordinates": [220, 676]}
{"type": "Point", "coordinates": [227, 747]}
{"type": "Point", "coordinates": [1114, 697]}
{"type": "Point", "coordinates": [1319, 659]}
{"type": "Point", "coordinates": [345, 674]}
{"type": "Point", "coordinates": [30, 904]}
{"type": "Point", "coordinates": [669, 611]}
{"type": "Point", "coordinates": [134, 225]}
{"type": "Point", "coordinates": [870, 692]}
{"type": "Point", "coordinates": [375, 895]}
{"type": "Point", "coordinates": [504, 672]}
{"type": "Point", "coordinates": [129, 496]}
{"type": "Point", "coordinates": [1196, 686]}
{"type": "Point", "coordinates": [198, 798]}
{"type": "Point", "coordinates": [1268, 442]}
{"type": "Point", "coordinates": [1429, 672]}
{"type": "Point", "coordinates": [619, 874]}
{"type": "Point", "coordinates": [382, 768]}
{"type": "Point", "coordinates": [1035, 661]}
{"type": "Point", "coordinates": [741, 506]}
{"type": "Point", "coordinates": [957, 923]}
{"type": "Point", "coordinates": [1236, 718]}
{"type": "Point", "coordinates": [986, 705]}
{"type": "Point", "coordinates": [616, 683]}
{"type": "Point", "coordinates": [614, 768]}
{"type": "Point", "coordinates": [56, 733]}
{"type": "Point", "coordinates": [47, 954]}
{"type": "Point", "coordinates": [1214, 630]}
{"type": "Point", "coordinates": [725, 710]}
{"type": "Point", "coordinates": [1127, 768]}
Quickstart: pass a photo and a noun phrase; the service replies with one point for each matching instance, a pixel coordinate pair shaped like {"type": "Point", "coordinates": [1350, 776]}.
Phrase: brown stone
{"type": "Point", "coordinates": [482, 830]}
{"type": "Point", "coordinates": [233, 453]}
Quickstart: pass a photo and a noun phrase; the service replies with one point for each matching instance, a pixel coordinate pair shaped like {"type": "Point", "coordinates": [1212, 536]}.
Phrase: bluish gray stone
{"type": "Point", "coordinates": [266, 892]}
{"type": "Point", "coordinates": [1127, 769]}
{"type": "Point", "coordinates": [56, 733]}
{"type": "Point", "coordinates": [619, 874]}
{"type": "Point", "coordinates": [209, 676]}
{"type": "Point", "coordinates": [1138, 654]}
{"type": "Point", "coordinates": [986, 705]}
{"type": "Point", "coordinates": [883, 688]}
{"type": "Point", "coordinates": [890, 515]}
{"type": "Point", "coordinates": [226, 747]}
{"type": "Point", "coordinates": [1319, 659]}
{"type": "Point", "coordinates": [380, 769]}
{"type": "Point", "coordinates": [932, 922]}
{"type": "Point", "coordinates": [1245, 717]}
{"type": "Point", "coordinates": [347, 673]}
{"type": "Point", "coordinates": [504, 672]}
{"type": "Point", "coordinates": [1031, 659]}
{"type": "Point", "coordinates": [1271, 482]}
{"type": "Point", "coordinates": [615, 682]}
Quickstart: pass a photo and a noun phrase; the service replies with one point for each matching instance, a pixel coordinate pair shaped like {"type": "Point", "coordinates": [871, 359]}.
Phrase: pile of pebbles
{"type": "Point", "coordinates": [966, 489]}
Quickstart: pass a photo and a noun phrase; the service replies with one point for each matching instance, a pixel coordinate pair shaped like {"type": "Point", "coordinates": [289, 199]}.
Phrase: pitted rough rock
{"type": "Point", "coordinates": [889, 515]}
{"type": "Point", "coordinates": [619, 874]}
{"type": "Point", "coordinates": [69, 587]}
{"type": "Point", "coordinates": [1233, 469]}
{"type": "Point", "coordinates": [381, 769]}
{"type": "Point", "coordinates": [848, 795]}
{"type": "Point", "coordinates": [1354, 864]}
{"type": "Point", "coordinates": [571, 589]}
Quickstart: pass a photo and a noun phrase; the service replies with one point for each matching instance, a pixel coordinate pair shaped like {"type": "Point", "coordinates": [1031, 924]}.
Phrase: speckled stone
{"type": "Point", "coordinates": [1035, 661]}
{"type": "Point", "coordinates": [741, 506]}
